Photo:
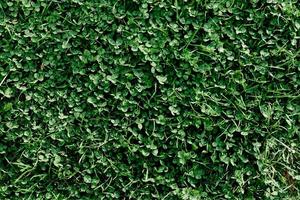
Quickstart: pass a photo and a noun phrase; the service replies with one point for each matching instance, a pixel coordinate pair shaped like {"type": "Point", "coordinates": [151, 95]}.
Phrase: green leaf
{"type": "Point", "coordinates": [7, 107]}
{"type": "Point", "coordinates": [161, 79]}
{"type": "Point", "coordinates": [8, 92]}
{"type": "Point", "coordinates": [57, 160]}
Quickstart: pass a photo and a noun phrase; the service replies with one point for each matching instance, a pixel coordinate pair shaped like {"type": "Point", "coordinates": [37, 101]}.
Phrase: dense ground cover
{"type": "Point", "coordinates": [149, 99]}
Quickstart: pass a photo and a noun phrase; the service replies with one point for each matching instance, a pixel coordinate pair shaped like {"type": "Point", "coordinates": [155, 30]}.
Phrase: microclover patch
{"type": "Point", "coordinates": [115, 99]}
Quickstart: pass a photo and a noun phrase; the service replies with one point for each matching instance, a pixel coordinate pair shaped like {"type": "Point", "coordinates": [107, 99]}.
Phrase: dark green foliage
{"type": "Point", "coordinates": [149, 99]}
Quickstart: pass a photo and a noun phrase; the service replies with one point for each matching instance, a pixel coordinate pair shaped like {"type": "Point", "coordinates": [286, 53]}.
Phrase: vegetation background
{"type": "Point", "coordinates": [149, 99]}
